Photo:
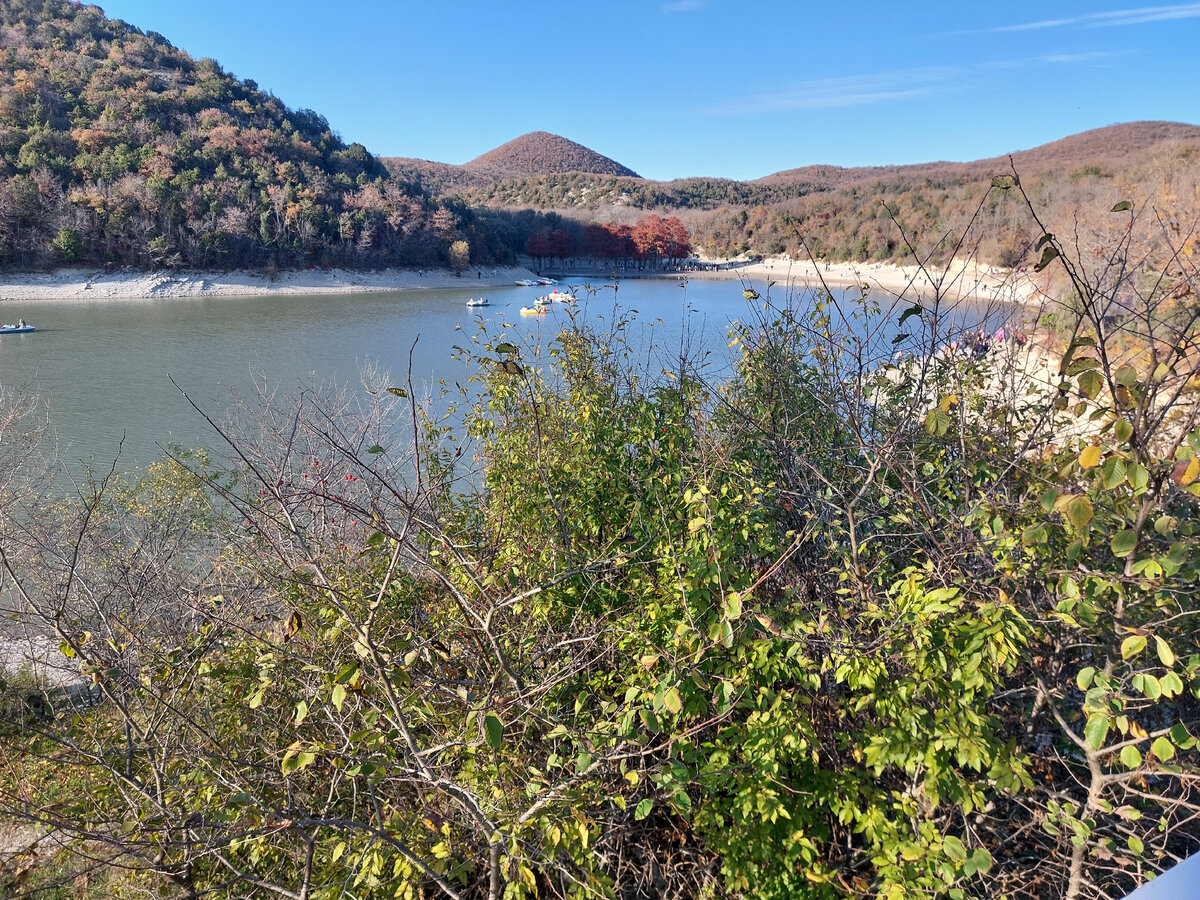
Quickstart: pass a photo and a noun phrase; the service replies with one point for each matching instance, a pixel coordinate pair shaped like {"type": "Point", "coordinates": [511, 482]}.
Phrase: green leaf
{"type": "Point", "coordinates": [1096, 730]}
{"type": "Point", "coordinates": [1113, 472]}
{"type": "Point", "coordinates": [1049, 254]}
{"type": "Point", "coordinates": [1079, 511]}
{"type": "Point", "coordinates": [1126, 376]}
{"type": "Point", "coordinates": [914, 310]}
{"type": "Point", "coordinates": [954, 848]}
{"type": "Point", "coordinates": [937, 422]}
{"type": "Point", "coordinates": [493, 731]}
{"type": "Point", "coordinates": [650, 720]}
{"type": "Point", "coordinates": [1034, 534]}
{"type": "Point", "coordinates": [301, 713]}
{"type": "Point", "coordinates": [1043, 241]}
{"type": "Point", "coordinates": [66, 650]}
{"type": "Point", "coordinates": [643, 808]}
{"type": "Point", "coordinates": [1131, 757]}
{"type": "Point", "coordinates": [672, 701]}
{"type": "Point", "coordinates": [1171, 684]}
{"type": "Point", "coordinates": [505, 347]}
{"type": "Point", "coordinates": [1004, 182]}
{"type": "Point", "coordinates": [399, 392]}
{"type": "Point", "coordinates": [1162, 748]}
{"type": "Point", "coordinates": [1123, 542]}
{"type": "Point", "coordinates": [1139, 477]}
{"type": "Point", "coordinates": [1132, 646]}
{"type": "Point", "coordinates": [1078, 364]}
{"type": "Point", "coordinates": [375, 448]}
{"type": "Point", "coordinates": [1122, 206]}
{"type": "Point", "coordinates": [1180, 736]}
{"type": "Point", "coordinates": [1084, 679]}
{"type": "Point", "coordinates": [726, 634]}
{"type": "Point", "coordinates": [982, 860]}
{"type": "Point", "coordinates": [294, 761]}
{"type": "Point", "coordinates": [1090, 384]}
{"type": "Point", "coordinates": [1123, 430]}
{"type": "Point", "coordinates": [338, 696]}
{"type": "Point", "coordinates": [1148, 685]}
{"type": "Point", "coordinates": [1164, 652]}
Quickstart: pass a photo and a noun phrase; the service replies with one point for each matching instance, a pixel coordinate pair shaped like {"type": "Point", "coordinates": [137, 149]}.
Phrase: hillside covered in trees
{"type": "Point", "coordinates": [859, 214]}
{"type": "Point", "coordinates": [118, 148]}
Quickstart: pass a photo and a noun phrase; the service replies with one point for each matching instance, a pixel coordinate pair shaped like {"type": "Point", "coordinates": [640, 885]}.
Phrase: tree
{"type": "Point", "coordinates": [67, 244]}
{"type": "Point", "coordinates": [460, 256]}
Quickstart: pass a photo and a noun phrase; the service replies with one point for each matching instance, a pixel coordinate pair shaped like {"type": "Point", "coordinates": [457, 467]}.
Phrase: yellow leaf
{"type": "Point", "coordinates": [1186, 472]}
{"type": "Point", "coordinates": [1090, 457]}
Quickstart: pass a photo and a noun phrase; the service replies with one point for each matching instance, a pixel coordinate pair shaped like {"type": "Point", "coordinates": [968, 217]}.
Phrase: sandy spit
{"type": "Point", "coordinates": [98, 285]}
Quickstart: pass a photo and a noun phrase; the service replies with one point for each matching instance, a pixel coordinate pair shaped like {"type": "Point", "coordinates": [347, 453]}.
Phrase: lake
{"type": "Point", "coordinates": [105, 369]}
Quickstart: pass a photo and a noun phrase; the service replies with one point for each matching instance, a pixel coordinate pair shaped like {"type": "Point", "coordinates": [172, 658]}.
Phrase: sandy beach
{"type": "Point", "coordinates": [87, 285]}
{"type": "Point", "coordinates": [960, 279]}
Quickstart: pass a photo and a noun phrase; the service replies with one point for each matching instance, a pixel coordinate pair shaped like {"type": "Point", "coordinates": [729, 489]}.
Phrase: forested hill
{"type": "Point", "coordinates": [534, 155]}
{"type": "Point", "coordinates": [857, 213]}
{"type": "Point", "coordinates": [118, 148]}
{"type": "Point", "coordinates": [539, 153]}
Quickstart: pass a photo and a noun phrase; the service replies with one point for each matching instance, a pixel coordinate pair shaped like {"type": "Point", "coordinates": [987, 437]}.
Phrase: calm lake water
{"type": "Point", "coordinates": [106, 369]}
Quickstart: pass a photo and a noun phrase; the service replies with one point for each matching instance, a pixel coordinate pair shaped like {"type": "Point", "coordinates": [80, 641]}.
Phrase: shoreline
{"type": "Point", "coordinates": [961, 280]}
{"type": "Point", "coordinates": [88, 285]}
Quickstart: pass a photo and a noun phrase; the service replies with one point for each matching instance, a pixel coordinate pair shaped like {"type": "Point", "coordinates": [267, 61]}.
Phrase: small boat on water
{"type": "Point", "coordinates": [557, 296]}
{"type": "Point", "coordinates": [478, 301]}
{"type": "Point", "coordinates": [542, 301]}
{"type": "Point", "coordinates": [546, 281]}
{"type": "Point", "coordinates": [533, 310]}
{"type": "Point", "coordinates": [526, 282]}
{"type": "Point", "coordinates": [16, 329]}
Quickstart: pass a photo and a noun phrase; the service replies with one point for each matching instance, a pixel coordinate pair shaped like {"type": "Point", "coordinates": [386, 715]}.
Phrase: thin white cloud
{"type": "Point", "coordinates": [1117, 17]}
{"type": "Point", "coordinates": [683, 6]}
{"type": "Point", "coordinates": [1071, 59]}
{"type": "Point", "coordinates": [1031, 26]}
{"type": "Point", "coordinates": [1053, 59]}
{"type": "Point", "coordinates": [833, 93]}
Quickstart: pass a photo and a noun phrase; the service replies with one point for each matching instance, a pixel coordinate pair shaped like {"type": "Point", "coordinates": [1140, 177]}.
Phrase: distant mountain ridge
{"type": "Point", "coordinates": [1111, 145]}
{"type": "Point", "coordinates": [545, 171]}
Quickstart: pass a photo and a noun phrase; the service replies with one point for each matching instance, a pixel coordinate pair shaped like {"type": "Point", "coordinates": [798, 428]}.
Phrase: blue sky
{"type": "Point", "coordinates": [729, 88]}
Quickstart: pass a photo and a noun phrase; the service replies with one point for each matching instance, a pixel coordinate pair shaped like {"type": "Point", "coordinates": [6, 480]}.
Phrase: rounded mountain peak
{"type": "Point", "coordinates": [542, 153]}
